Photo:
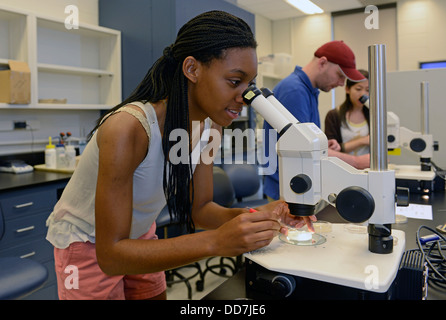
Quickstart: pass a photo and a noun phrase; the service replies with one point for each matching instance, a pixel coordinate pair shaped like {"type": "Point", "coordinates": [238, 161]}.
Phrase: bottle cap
{"type": "Point", "coordinates": [50, 145]}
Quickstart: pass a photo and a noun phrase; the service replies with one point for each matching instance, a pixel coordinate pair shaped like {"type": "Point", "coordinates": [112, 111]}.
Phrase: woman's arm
{"type": "Point", "coordinates": [333, 126]}
{"type": "Point", "coordinates": [359, 162]}
{"type": "Point", "coordinates": [122, 145]}
{"type": "Point", "coordinates": [356, 143]}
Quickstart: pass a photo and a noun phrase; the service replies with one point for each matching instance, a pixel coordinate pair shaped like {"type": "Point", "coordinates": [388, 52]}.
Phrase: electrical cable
{"type": "Point", "coordinates": [32, 140]}
{"type": "Point", "coordinates": [438, 171]}
{"type": "Point", "coordinates": [433, 253]}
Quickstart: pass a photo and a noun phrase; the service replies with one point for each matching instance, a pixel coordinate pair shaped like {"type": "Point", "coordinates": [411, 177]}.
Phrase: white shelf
{"type": "Point", "coordinates": [81, 65]}
{"type": "Point", "coordinates": [53, 68]}
{"type": "Point", "coordinates": [55, 106]}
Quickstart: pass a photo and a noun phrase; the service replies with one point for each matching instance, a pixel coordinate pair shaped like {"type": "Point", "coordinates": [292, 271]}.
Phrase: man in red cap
{"type": "Point", "coordinates": [332, 63]}
{"type": "Point", "coordinates": [337, 52]}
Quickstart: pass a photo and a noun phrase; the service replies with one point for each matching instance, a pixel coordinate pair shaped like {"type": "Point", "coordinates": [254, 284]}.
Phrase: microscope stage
{"type": "Point", "coordinates": [411, 172]}
{"type": "Point", "coordinates": [344, 259]}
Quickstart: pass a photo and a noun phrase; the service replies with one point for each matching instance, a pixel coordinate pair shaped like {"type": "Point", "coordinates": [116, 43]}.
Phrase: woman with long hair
{"type": "Point", "coordinates": [349, 123]}
{"type": "Point", "coordinates": [103, 225]}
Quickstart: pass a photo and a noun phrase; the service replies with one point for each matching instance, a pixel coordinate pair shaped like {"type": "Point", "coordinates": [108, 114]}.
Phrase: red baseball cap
{"type": "Point", "coordinates": [338, 52]}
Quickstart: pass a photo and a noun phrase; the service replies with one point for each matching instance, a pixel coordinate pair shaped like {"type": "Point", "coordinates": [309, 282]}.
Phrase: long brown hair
{"type": "Point", "coordinates": [347, 105]}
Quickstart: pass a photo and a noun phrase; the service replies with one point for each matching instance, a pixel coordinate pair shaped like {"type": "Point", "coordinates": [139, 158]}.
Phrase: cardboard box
{"type": "Point", "coordinates": [15, 83]}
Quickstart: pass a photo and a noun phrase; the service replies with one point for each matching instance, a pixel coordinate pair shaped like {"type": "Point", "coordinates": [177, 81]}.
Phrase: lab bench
{"type": "Point", "coordinates": [234, 287]}
{"type": "Point", "coordinates": [26, 200]}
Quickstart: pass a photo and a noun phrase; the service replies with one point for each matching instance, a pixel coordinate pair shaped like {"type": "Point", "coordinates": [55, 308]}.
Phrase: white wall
{"type": "Point", "coordinates": [421, 32]}
{"type": "Point", "coordinates": [299, 37]}
{"type": "Point", "coordinates": [88, 9]}
{"type": "Point", "coordinates": [263, 36]}
{"type": "Point", "coordinates": [420, 36]}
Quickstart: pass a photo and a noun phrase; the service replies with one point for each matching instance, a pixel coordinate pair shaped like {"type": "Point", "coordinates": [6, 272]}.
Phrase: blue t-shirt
{"type": "Point", "coordinates": [297, 94]}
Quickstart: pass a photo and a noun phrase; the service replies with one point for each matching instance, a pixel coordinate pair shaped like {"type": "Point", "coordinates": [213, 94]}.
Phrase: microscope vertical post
{"type": "Point", "coordinates": [379, 229]}
{"type": "Point", "coordinates": [424, 107]}
{"type": "Point", "coordinates": [378, 108]}
{"type": "Point", "coordinates": [425, 162]}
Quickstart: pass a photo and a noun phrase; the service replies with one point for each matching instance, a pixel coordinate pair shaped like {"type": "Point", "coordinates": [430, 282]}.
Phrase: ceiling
{"type": "Point", "coordinates": [279, 9]}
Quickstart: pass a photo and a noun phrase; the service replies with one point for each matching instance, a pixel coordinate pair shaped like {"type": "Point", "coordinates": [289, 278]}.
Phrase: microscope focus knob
{"type": "Point", "coordinates": [355, 204]}
{"type": "Point", "coordinates": [282, 286]}
{"type": "Point", "coordinates": [417, 145]}
{"type": "Point", "coordinates": [436, 146]}
{"type": "Point", "coordinates": [301, 183]}
{"type": "Point", "coordinates": [391, 138]}
{"type": "Point", "coordinates": [402, 196]}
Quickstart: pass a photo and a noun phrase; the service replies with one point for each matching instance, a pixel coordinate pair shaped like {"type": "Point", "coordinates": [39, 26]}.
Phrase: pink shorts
{"type": "Point", "coordinates": [80, 278]}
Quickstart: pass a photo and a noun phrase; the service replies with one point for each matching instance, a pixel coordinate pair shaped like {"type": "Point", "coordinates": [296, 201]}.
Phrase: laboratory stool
{"type": "Point", "coordinates": [20, 277]}
{"type": "Point", "coordinates": [166, 229]}
{"type": "Point", "coordinates": [244, 181]}
{"type": "Point", "coordinates": [224, 195]}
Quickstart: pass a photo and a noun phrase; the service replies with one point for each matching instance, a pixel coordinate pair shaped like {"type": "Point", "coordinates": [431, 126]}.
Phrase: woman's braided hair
{"type": "Point", "coordinates": [205, 37]}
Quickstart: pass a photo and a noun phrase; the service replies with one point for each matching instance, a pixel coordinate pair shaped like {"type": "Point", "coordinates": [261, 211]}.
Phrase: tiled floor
{"type": "Point", "coordinates": [178, 291]}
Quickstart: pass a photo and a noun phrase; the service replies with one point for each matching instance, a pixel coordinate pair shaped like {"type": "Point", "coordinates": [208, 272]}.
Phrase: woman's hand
{"type": "Point", "coordinates": [286, 218]}
{"type": "Point", "coordinates": [333, 144]}
{"type": "Point", "coordinates": [247, 232]}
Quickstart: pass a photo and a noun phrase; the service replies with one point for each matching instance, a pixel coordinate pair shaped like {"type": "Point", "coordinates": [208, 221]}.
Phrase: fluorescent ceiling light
{"type": "Point", "coordinates": [306, 6]}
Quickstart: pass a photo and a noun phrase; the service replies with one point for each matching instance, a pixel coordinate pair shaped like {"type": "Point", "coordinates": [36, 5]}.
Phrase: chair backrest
{"type": "Point", "coordinates": [224, 193]}
{"type": "Point", "coordinates": [2, 230]}
{"type": "Point", "coordinates": [244, 177]}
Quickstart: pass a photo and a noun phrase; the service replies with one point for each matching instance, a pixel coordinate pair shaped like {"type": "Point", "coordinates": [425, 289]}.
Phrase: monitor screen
{"type": "Point", "coordinates": [433, 64]}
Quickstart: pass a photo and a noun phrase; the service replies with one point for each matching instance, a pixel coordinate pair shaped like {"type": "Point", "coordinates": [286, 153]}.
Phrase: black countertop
{"type": "Point", "coordinates": [11, 181]}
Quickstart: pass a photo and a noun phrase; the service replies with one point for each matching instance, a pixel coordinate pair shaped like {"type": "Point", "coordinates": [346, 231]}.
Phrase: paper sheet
{"type": "Point", "coordinates": [416, 211]}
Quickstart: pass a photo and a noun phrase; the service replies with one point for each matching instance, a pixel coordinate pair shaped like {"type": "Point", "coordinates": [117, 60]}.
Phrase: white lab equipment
{"type": "Point", "coordinates": [308, 175]}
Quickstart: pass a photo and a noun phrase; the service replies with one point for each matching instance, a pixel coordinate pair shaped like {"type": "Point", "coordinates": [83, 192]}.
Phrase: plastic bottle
{"type": "Point", "coordinates": [60, 156]}
{"type": "Point", "coordinates": [50, 155]}
{"type": "Point", "coordinates": [70, 157]}
{"type": "Point", "coordinates": [82, 145]}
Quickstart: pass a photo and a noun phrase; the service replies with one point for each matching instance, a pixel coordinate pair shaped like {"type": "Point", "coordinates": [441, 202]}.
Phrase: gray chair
{"type": "Point", "coordinates": [20, 277]}
{"type": "Point", "coordinates": [166, 228]}
{"type": "Point", "coordinates": [231, 181]}
{"type": "Point", "coordinates": [246, 182]}
{"type": "Point", "coordinates": [223, 195]}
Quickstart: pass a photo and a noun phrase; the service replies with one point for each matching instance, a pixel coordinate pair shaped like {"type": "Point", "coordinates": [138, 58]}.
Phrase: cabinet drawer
{"type": "Point", "coordinates": [22, 230]}
{"type": "Point", "coordinates": [29, 203]}
{"type": "Point", "coordinates": [40, 250]}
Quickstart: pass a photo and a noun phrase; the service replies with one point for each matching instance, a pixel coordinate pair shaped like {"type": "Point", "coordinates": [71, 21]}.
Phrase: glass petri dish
{"type": "Point", "coordinates": [322, 226]}
{"type": "Point", "coordinates": [302, 237]}
{"type": "Point", "coordinates": [355, 228]}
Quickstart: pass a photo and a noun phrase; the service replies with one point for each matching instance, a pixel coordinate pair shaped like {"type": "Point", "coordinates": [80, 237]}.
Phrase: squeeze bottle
{"type": "Point", "coordinates": [50, 155]}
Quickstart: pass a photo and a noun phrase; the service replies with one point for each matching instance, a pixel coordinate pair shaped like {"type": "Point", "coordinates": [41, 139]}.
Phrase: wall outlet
{"type": "Point", "coordinates": [26, 125]}
{"type": "Point", "coordinates": [19, 125]}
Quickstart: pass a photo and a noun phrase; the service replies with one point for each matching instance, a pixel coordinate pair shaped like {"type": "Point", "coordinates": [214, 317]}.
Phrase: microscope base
{"type": "Point", "coordinates": [259, 287]}
{"type": "Point", "coordinates": [411, 177]}
{"type": "Point", "coordinates": [342, 267]}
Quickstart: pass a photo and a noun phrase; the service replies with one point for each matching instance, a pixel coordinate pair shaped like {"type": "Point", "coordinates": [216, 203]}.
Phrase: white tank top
{"type": "Point", "coordinates": [355, 131]}
{"type": "Point", "coordinates": [73, 217]}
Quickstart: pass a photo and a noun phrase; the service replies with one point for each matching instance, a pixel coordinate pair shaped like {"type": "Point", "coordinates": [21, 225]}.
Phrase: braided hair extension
{"type": "Point", "coordinates": [205, 37]}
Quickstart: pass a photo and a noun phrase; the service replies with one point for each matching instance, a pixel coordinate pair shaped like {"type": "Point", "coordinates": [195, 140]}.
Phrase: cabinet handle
{"type": "Point", "coordinates": [28, 255]}
{"type": "Point", "coordinates": [25, 229]}
{"type": "Point", "coordinates": [23, 205]}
